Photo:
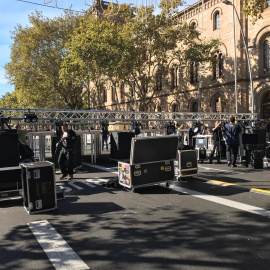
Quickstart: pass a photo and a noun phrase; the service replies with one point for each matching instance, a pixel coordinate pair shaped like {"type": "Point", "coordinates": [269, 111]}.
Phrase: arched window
{"type": "Point", "coordinates": [158, 108]}
{"type": "Point", "coordinates": [175, 108]}
{"type": "Point", "coordinates": [214, 67]}
{"type": "Point", "coordinates": [266, 106]}
{"type": "Point", "coordinates": [217, 21]}
{"type": "Point", "coordinates": [220, 65]}
{"type": "Point", "coordinates": [122, 91]}
{"type": "Point", "coordinates": [113, 94]}
{"type": "Point", "coordinates": [195, 107]}
{"type": "Point", "coordinates": [218, 105]}
{"type": "Point", "coordinates": [266, 56]}
{"type": "Point", "coordinates": [174, 77]}
{"type": "Point", "coordinates": [193, 26]}
{"type": "Point", "coordinates": [159, 80]}
{"type": "Point", "coordinates": [191, 73]}
{"type": "Point", "coordinates": [105, 98]}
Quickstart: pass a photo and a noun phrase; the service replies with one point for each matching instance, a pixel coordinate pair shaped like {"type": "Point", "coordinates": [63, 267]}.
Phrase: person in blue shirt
{"type": "Point", "coordinates": [231, 132]}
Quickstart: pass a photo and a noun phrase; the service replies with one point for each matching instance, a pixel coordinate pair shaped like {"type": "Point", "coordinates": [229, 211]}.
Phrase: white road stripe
{"type": "Point", "coordinates": [241, 206]}
{"type": "Point", "coordinates": [208, 168]}
{"type": "Point", "coordinates": [72, 183]}
{"type": "Point", "coordinates": [56, 248]}
{"type": "Point", "coordinates": [233, 204]}
{"type": "Point", "coordinates": [96, 181]}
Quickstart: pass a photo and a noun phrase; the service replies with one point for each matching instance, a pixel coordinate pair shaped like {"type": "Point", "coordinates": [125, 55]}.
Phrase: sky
{"type": "Point", "coordinates": [14, 12]}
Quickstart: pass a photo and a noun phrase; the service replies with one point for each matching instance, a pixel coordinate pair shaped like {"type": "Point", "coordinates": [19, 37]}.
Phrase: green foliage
{"type": "Point", "coordinates": [54, 61]}
{"type": "Point", "coordinates": [254, 9]}
{"type": "Point", "coordinates": [9, 100]}
{"type": "Point", "coordinates": [36, 57]}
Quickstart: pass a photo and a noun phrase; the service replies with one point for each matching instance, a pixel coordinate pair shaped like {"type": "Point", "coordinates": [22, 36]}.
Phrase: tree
{"type": "Point", "coordinates": [9, 100]}
{"type": "Point", "coordinates": [103, 47]}
{"type": "Point", "coordinates": [37, 54]}
{"type": "Point", "coordinates": [254, 9]}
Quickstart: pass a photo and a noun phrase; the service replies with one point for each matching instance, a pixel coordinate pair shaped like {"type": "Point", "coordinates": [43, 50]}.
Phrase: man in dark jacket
{"type": "Point", "coordinates": [232, 132]}
{"type": "Point", "coordinates": [66, 156]}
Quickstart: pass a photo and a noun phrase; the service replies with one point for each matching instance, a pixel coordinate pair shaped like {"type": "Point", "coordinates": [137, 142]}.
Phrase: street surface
{"type": "Point", "coordinates": [197, 224]}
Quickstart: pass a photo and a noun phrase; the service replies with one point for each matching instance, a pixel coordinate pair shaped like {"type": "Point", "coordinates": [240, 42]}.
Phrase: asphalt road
{"type": "Point", "coordinates": [195, 224]}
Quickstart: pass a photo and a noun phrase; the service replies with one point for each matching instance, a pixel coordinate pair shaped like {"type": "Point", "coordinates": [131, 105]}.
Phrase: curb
{"type": "Point", "coordinates": [225, 184]}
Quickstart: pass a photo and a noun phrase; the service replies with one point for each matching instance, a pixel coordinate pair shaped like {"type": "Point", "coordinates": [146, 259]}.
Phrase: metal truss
{"type": "Point", "coordinates": [94, 115]}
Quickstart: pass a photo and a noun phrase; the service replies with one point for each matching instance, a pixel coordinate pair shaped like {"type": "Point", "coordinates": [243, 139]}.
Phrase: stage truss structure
{"type": "Point", "coordinates": [52, 115]}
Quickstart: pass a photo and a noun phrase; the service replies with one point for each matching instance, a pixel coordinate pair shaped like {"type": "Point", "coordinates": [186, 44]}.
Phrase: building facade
{"type": "Point", "coordinates": [211, 88]}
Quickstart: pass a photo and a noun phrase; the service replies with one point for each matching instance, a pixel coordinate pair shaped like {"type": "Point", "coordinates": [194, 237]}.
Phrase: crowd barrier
{"type": "Point", "coordinates": [41, 144]}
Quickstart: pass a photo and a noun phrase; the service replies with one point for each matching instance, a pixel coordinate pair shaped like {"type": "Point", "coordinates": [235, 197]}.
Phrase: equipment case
{"type": "Point", "coordinates": [201, 154]}
{"type": "Point", "coordinates": [39, 190]}
{"type": "Point", "coordinates": [151, 161]}
{"type": "Point", "coordinates": [186, 163]}
{"type": "Point", "coordinates": [10, 178]}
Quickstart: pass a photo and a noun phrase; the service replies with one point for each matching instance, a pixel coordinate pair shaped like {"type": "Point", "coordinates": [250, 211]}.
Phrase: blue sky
{"type": "Point", "coordinates": [14, 12]}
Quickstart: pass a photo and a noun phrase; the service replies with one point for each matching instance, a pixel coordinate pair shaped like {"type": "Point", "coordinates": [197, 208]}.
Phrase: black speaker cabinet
{"type": "Point", "coordinates": [121, 144]}
{"type": "Point", "coordinates": [10, 178]}
{"type": "Point", "coordinates": [39, 191]}
{"type": "Point", "coordinates": [257, 163]}
{"type": "Point", "coordinates": [201, 154]}
{"type": "Point", "coordinates": [258, 154]}
{"type": "Point", "coordinates": [186, 163]}
{"type": "Point", "coordinates": [9, 148]}
{"type": "Point", "coordinates": [261, 133]}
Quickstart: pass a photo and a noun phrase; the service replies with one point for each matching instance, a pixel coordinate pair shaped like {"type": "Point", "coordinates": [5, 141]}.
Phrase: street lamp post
{"type": "Point", "coordinates": [235, 62]}
{"type": "Point", "coordinates": [226, 2]}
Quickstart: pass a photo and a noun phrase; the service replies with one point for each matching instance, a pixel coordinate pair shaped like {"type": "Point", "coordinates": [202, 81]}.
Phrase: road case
{"type": "Point", "coordinates": [151, 161]}
{"type": "Point", "coordinates": [186, 164]}
{"type": "Point", "coordinates": [39, 190]}
{"type": "Point", "coordinates": [10, 178]}
{"type": "Point", "coordinates": [201, 154]}
{"type": "Point", "coordinates": [60, 193]}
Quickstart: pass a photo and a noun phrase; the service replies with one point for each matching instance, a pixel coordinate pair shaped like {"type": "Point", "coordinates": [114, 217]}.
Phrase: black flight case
{"type": "Point", "coordinates": [39, 191]}
{"type": "Point", "coordinates": [186, 164]}
{"type": "Point", "coordinates": [151, 161]}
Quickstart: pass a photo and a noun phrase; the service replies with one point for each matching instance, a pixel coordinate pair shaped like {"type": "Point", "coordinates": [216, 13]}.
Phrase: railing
{"type": "Point", "coordinates": [41, 144]}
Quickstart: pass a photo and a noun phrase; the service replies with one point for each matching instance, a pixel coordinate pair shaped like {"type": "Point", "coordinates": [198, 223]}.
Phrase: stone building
{"type": "Point", "coordinates": [213, 85]}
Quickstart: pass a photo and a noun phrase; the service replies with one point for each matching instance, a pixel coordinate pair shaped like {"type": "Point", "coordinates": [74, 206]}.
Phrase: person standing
{"type": "Point", "coordinates": [217, 135]}
{"type": "Point", "coordinates": [66, 156]}
{"type": "Point", "coordinates": [232, 132]}
{"type": "Point", "coordinates": [105, 135]}
{"type": "Point", "coordinates": [190, 134]}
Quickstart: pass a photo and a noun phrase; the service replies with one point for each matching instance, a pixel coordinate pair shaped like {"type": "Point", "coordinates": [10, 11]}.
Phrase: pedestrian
{"type": "Point", "coordinates": [66, 156]}
{"type": "Point", "coordinates": [190, 134]}
{"type": "Point", "coordinates": [216, 141]}
{"type": "Point", "coordinates": [232, 132]}
{"type": "Point", "coordinates": [105, 135]}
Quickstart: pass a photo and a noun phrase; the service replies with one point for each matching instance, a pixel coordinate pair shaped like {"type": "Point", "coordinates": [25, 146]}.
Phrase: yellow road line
{"type": "Point", "coordinates": [233, 185]}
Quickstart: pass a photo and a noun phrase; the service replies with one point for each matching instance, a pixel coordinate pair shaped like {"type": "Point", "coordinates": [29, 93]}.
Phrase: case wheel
{"type": "Point", "coordinates": [167, 184]}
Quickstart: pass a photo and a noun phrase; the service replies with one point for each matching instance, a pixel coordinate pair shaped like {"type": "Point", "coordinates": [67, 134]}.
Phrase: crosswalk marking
{"type": "Point", "coordinates": [61, 255]}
